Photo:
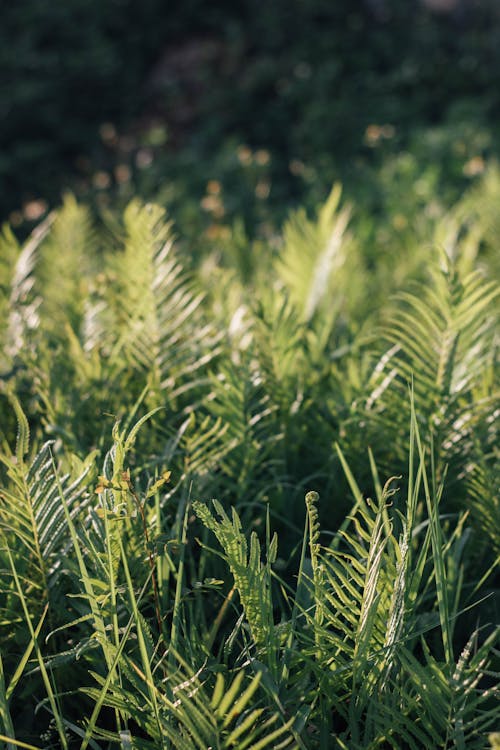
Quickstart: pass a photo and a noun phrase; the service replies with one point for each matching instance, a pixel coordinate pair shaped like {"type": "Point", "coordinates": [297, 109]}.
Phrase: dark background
{"type": "Point", "coordinates": [321, 89]}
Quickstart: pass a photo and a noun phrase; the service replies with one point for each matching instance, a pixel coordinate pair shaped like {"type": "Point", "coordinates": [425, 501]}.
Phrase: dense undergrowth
{"type": "Point", "coordinates": [291, 382]}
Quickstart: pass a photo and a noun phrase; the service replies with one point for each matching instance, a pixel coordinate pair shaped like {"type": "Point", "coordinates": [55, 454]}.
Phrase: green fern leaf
{"type": "Point", "coordinates": [251, 577]}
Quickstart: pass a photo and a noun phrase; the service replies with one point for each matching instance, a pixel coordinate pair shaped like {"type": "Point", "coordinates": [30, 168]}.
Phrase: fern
{"type": "Point", "coordinates": [191, 716]}
{"type": "Point", "coordinates": [9, 252]}
{"type": "Point", "coordinates": [226, 719]}
{"type": "Point", "coordinates": [443, 339]}
{"type": "Point", "coordinates": [118, 628]}
{"type": "Point", "coordinates": [65, 268]}
{"type": "Point", "coordinates": [157, 308]}
{"type": "Point", "coordinates": [24, 301]}
{"type": "Point", "coordinates": [204, 445]}
{"type": "Point", "coordinates": [138, 320]}
{"type": "Point", "coordinates": [239, 399]}
{"type": "Point", "coordinates": [313, 252]}
{"type": "Point", "coordinates": [478, 211]}
{"type": "Point", "coordinates": [32, 515]}
{"type": "Point", "coordinates": [370, 590]}
{"type": "Point", "coordinates": [484, 499]}
{"type": "Point", "coordinates": [251, 577]}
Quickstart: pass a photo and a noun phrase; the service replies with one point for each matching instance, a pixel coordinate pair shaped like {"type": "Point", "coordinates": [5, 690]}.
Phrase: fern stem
{"type": "Point", "coordinates": [151, 560]}
{"type": "Point", "coordinates": [174, 632]}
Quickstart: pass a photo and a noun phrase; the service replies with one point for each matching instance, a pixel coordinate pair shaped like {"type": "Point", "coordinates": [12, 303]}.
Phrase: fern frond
{"type": "Point", "coordinates": [64, 269]}
{"type": "Point", "coordinates": [32, 514]}
{"type": "Point", "coordinates": [313, 252]}
{"type": "Point", "coordinates": [442, 338]}
{"type": "Point", "coordinates": [158, 309]}
{"type": "Point", "coordinates": [372, 591]}
{"type": "Point", "coordinates": [204, 444]}
{"type": "Point", "coordinates": [240, 401]}
{"type": "Point", "coordinates": [356, 592]}
{"type": "Point", "coordinates": [24, 299]}
{"type": "Point", "coordinates": [279, 346]}
{"type": "Point", "coordinates": [193, 716]}
{"type": "Point", "coordinates": [484, 498]}
{"type": "Point", "coordinates": [251, 576]}
{"type": "Point", "coordinates": [9, 253]}
{"type": "Point", "coordinates": [478, 210]}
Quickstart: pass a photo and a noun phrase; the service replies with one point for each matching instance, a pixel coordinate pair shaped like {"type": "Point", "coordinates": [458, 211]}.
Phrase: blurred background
{"type": "Point", "coordinates": [231, 113]}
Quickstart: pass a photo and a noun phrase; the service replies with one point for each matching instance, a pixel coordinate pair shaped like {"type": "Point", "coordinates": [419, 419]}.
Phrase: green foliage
{"type": "Point", "coordinates": [443, 339]}
{"type": "Point", "coordinates": [194, 717]}
{"type": "Point", "coordinates": [137, 381]}
{"type": "Point", "coordinates": [252, 579]}
{"type": "Point", "coordinates": [313, 252]}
